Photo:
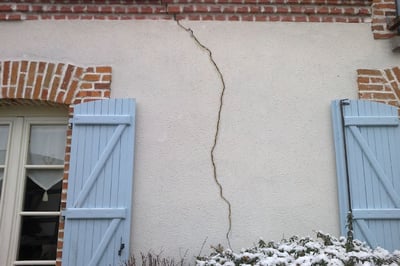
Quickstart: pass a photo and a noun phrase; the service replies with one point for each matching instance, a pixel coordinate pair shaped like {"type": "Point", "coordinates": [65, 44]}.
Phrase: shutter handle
{"type": "Point", "coordinates": [121, 247]}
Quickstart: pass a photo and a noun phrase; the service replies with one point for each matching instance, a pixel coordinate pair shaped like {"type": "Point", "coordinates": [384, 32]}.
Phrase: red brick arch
{"type": "Point", "coordinates": [53, 82]}
{"type": "Point", "coordinates": [381, 85]}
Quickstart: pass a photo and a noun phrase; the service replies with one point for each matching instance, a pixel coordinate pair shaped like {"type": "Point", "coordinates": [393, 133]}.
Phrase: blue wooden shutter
{"type": "Point", "coordinates": [372, 137]}
{"type": "Point", "coordinates": [99, 195]}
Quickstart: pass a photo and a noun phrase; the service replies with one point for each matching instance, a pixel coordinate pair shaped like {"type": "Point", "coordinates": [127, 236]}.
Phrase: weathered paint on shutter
{"type": "Point", "coordinates": [99, 195]}
{"type": "Point", "coordinates": [372, 136]}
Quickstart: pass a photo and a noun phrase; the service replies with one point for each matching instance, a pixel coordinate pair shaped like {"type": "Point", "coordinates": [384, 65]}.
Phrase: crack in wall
{"type": "Point", "coordinates": [221, 98]}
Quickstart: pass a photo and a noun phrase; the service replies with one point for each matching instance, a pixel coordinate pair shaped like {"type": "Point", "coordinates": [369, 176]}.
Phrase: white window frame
{"type": "Point", "coordinates": [13, 189]}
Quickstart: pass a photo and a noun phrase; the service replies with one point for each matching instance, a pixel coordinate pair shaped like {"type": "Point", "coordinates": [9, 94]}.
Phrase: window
{"type": "Point", "coordinates": [32, 152]}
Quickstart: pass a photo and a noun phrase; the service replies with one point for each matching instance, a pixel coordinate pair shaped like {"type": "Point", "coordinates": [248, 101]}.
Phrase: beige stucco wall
{"type": "Point", "coordinates": [275, 157]}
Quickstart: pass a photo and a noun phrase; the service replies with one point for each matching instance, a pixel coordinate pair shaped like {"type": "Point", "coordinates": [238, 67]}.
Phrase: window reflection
{"type": "Point", "coordinates": [38, 239]}
{"type": "Point", "coordinates": [3, 143]}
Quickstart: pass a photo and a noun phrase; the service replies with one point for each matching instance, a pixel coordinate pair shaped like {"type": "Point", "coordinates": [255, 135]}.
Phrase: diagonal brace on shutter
{"type": "Point", "coordinates": [375, 165]}
{"type": "Point", "coordinates": [369, 236]}
{"type": "Point", "coordinates": [104, 242]}
{"type": "Point", "coordinates": [99, 166]}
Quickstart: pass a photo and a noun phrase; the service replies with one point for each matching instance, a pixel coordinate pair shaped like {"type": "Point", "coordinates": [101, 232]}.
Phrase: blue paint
{"type": "Point", "coordinates": [373, 151]}
{"type": "Point", "coordinates": [99, 196]}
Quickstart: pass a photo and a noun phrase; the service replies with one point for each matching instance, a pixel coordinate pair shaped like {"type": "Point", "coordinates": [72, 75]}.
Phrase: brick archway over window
{"type": "Point", "coordinates": [53, 82]}
{"type": "Point", "coordinates": [381, 85]}
{"type": "Point", "coordinates": [31, 82]}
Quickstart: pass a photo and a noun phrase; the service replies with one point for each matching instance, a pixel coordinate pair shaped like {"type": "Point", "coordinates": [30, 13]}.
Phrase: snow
{"type": "Point", "coordinates": [326, 250]}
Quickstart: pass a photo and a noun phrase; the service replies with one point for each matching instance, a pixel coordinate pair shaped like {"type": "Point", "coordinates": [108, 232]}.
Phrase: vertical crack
{"type": "Point", "coordinates": [221, 98]}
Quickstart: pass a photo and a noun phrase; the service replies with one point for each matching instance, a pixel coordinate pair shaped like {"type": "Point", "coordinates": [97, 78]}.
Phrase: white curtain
{"type": "Point", "coordinates": [45, 179]}
{"type": "Point", "coordinates": [47, 145]}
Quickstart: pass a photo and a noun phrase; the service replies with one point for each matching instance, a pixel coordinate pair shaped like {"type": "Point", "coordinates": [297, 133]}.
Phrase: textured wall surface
{"type": "Point", "coordinates": [275, 155]}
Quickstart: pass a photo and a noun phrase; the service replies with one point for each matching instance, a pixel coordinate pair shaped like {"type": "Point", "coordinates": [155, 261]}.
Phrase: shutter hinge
{"type": "Point", "coordinates": [345, 102]}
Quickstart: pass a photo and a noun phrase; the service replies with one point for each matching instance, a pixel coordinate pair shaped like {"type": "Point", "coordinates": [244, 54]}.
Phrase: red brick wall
{"type": "Point", "coordinates": [382, 10]}
{"type": "Point", "coordinates": [352, 11]}
{"type": "Point", "coordinates": [381, 85]}
{"type": "Point", "coordinates": [32, 82]}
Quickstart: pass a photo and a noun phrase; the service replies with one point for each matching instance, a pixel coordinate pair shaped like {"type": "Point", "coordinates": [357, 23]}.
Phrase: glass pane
{"type": "Point", "coordinates": [43, 190]}
{"type": "Point", "coordinates": [3, 143]}
{"type": "Point", "coordinates": [38, 240]}
{"type": "Point", "coordinates": [47, 145]}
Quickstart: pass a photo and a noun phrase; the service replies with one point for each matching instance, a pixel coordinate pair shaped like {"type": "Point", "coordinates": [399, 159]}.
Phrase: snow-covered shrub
{"type": "Point", "coordinates": [326, 250]}
{"type": "Point", "coordinates": [152, 259]}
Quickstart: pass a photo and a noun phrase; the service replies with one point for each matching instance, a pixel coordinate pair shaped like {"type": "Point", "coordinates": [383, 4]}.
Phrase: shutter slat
{"type": "Point", "coordinates": [90, 213]}
{"type": "Point", "coordinates": [102, 120]}
{"type": "Point", "coordinates": [371, 121]}
{"type": "Point", "coordinates": [376, 214]}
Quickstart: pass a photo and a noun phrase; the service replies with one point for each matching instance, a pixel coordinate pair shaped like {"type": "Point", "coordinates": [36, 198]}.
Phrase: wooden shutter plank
{"type": "Point", "coordinates": [102, 226]}
{"type": "Point", "coordinates": [383, 154]}
{"type": "Point", "coordinates": [100, 192]}
{"type": "Point", "coordinates": [370, 182]}
{"type": "Point", "coordinates": [125, 192]}
{"type": "Point", "coordinates": [71, 251]}
{"type": "Point", "coordinates": [119, 196]}
{"type": "Point", "coordinates": [394, 150]}
{"type": "Point", "coordinates": [340, 164]}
